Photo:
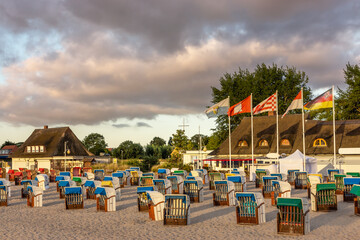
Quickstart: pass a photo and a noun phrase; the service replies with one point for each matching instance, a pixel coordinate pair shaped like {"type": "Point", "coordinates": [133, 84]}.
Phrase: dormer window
{"type": "Point", "coordinates": [263, 143]}
{"type": "Point", "coordinates": [42, 149]}
{"type": "Point", "coordinates": [320, 142]}
{"type": "Point", "coordinates": [35, 149]}
{"type": "Point", "coordinates": [243, 143]}
{"type": "Point", "coordinates": [285, 142]}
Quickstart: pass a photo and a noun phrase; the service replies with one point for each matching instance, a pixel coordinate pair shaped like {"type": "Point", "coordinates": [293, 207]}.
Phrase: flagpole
{"type": "Point", "coordinates": [229, 139]}
{"type": "Point", "coordinates": [252, 133]}
{"type": "Point", "coordinates": [303, 127]}
{"type": "Point", "coordinates": [277, 130]}
{"type": "Point", "coordinates": [333, 98]}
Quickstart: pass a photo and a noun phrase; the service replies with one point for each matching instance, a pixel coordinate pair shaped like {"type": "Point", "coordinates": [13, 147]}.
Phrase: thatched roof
{"type": "Point", "coordinates": [53, 139]}
{"type": "Point", "coordinates": [290, 127]}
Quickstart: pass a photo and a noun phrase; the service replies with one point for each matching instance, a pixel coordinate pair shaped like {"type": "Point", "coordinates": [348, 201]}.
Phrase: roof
{"type": "Point", "coordinates": [290, 127]}
{"type": "Point", "coordinates": [54, 141]}
{"type": "Point", "coordinates": [11, 147]}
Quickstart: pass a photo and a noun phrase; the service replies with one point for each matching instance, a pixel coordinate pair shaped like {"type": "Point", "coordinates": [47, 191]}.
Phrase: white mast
{"type": "Point", "coordinates": [252, 132]}
{"type": "Point", "coordinates": [277, 130]}
{"type": "Point", "coordinates": [333, 98]}
{"type": "Point", "coordinates": [303, 126]}
{"type": "Point", "coordinates": [229, 139]}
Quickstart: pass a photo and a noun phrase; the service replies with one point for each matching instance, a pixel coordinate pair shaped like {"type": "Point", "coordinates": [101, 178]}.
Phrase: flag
{"type": "Point", "coordinates": [295, 104]}
{"type": "Point", "coordinates": [268, 105]}
{"type": "Point", "coordinates": [242, 107]}
{"type": "Point", "coordinates": [218, 109]}
{"type": "Point", "coordinates": [325, 100]}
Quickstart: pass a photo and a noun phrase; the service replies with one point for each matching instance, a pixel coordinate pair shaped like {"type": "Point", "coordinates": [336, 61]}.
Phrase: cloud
{"type": "Point", "coordinates": [121, 125]}
{"type": "Point", "coordinates": [143, 124]}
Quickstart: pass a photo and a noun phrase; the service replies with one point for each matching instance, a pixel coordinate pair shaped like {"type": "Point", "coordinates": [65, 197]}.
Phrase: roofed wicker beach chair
{"type": "Point", "coordinates": [293, 216]}
{"type": "Point", "coordinates": [214, 176]}
{"type": "Point", "coordinates": [7, 184]}
{"type": "Point", "coordinates": [89, 176]}
{"type": "Point", "coordinates": [156, 205]}
{"type": "Point", "coordinates": [74, 198]}
{"type": "Point", "coordinates": [194, 189]}
{"type": "Point", "coordinates": [65, 174]}
{"type": "Point", "coordinates": [146, 181]}
{"type": "Point", "coordinates": [64, 184]}
{"type": "Point", "coordinates": [239, 183]}
{"type": "Point", "coordinates": [43, 181]}
{"type": "Point", "coordinates": [76, 172]}
{"type": "Point", "coordinates": [60, 178]}
{"type": "Point", "coordinates": [348, 184]}
{"type": "Point", "coordinates": [105, 199]}
{"type": "Point", "coordinates": [121, 177]}
{"type": "Point", "coordinates": [331, 174]}
{"type": "Point", "coordinates": [25, 184]}
{"type": "Point", "coordinates": [312, 180]}
{"type": "Point", "coordinates": [90, 186]}
{"type": "Point", "coordinates": [114, 183]}
{"type": "Point", "coordinates": [52, 175]}
{"type": "Point", "coordinates": [224, 193]}
{"type": "Point", "coordinates": [4, 196]}
{"type": "Point", "coordinates": [34, 196]}
{"type": "Point", "coordinates": [80, 182]}
{"type": "Point", "coordinates": [177, 184]}
{"type": "Point", "coordinates": [99, 174]}
{"type": "Point", "coordinates": [18, 176]}
{"type": "Point", "coordinates": [267, 188]}
{"type": "Point", "coordinates": [356, 191]}
{"type": "Point", "coordinates": [143, 201]}
{"type": "Point", "coordinates": [2, 173]}
{"type": "Point", "coordinates": [259, 174]}
{"type": "Point", "coordinates": [323, 197]}
{"type": "Point", "coordinates": [280, 189]}
{"type": "Point", "coordinates": [126, 177]}
{"type": "Point", "coordinates": [281, 176]}
{"type": "Point", "coordinates": [135, 177]}
{"type": "Point", "coordinates": [339, 182]}
{"type": "Point", "coordinates": [163, 186]}
{"type": "Point", "coordinates": [29, 174]}
{"type": "Point", "coordinates": [301, 180]}
{"type": "Point", "coordinates": [177, 209]}
{"type": "Point", "coordinates": [291, 176]}
{"type": "Point", "coordinates": [86, 170]}
{"type": "Point", "coordinates": [163, 173]}
{"type": "Point", "coordinates": [250, 208]}
{"type": "Point", "coordinates": [11, 175]}
{"type": "Point", "coordinates": [205, 175]}
{"type": "Point", "coordinates": [181, 173]}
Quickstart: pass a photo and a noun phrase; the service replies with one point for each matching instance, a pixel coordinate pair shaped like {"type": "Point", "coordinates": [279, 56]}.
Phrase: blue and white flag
{"type": "Point", "coordinates": [220, 108]}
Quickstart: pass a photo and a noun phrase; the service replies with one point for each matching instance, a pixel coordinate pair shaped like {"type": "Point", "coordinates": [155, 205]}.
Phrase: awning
{"type": "Point", "coordinates": [224, 160]}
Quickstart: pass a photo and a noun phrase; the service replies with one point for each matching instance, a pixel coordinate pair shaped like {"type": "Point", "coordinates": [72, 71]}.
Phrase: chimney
{"type": "Point", "coordinates": [46, 126]}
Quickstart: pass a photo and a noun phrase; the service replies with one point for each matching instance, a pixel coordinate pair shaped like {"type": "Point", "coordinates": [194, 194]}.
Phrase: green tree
{"type": "Point", "coordinates": [195, 140]}
{"type": "Point", "coordinates": [214, 141]}
{"type": "Point", "coordinates": [180, 140]}
{"type": "Point", "coordinates": [158, 141]}
{"type": "Point", "coordinates": [262, 82]}
{"type": "Point", "coordinates": [128, 150]}
{"type": "Point", "coordinates": [95, 143]}
{"type": "Point", "coordinates": [6, 143]}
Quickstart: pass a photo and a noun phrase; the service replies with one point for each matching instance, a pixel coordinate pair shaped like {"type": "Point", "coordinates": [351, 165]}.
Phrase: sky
{"type": "Point", "coordinates": [133, 70]}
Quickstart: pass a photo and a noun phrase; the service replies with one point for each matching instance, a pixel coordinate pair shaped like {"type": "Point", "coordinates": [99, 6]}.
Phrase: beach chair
{"type": "Point", "coordinates": [177, 184]}
{"type": "Point", "coordinates": [18, 176]}
{"type": "Point", "coordinates": [353, 174]}
{"type": "Point", "coordinates": [29, 174]}
{"type": "Point", "coordinates": [293, 216]}
{"type": "Point", "coordinates": [120, 176]}
{"type": "Point", "coordinates": [239, 183]}
{"type": "Point", "coordinates": [135, 178]}
{"type": "Point", "coordinates": [25, 184]}
{"type": "Point", "coordinates": [348, 184]}
{"type": "Point", "coordinates": [224, 193]}
{"type": "Point", "coordinates": [163, 173]}
{"type": "Point", "coordinates": [64, 184]}
{"type": "Point", "coordinates": [339, 182]}
{"type": "Point", "coordinates": [76, 172]}
{"type": "Point", "coordinates": [146, 181]}
{"type": "Point", "coordinates": [205, 175]}
{"type": "Point", "coordinates": [331, 174]}
{"type": "Point", "coordinates": [11, 173]}
{"type": "Point", "coordinates": [135, 168]}
{"type": "Point", "coordinates": [52, 175]}
{"type": "Point", "coordinates": [143, 201]}
{"type": "Point", "coordinates": [80, 182]}
{"type": "Point", "coordinates": [250, 208]}
{"type": "Point", "coordinates": [65, 174]}
{"type": "Point", "coordinates": [281, 176]}
{"type": "Point", "coordinates": [2, 173]}
{"type": "Point", "coordinates": [301, 180]}
{"type": "Point", "coordinates": [7, 184]}
{"type": "Point", "coordinates": [34, 196]}
{"type": "Point", "coordinates": [112, 182]}
{"type": "Point", "coordinates": [181, 173]}
{"type": "Point", "coordinates": [163, 186]}
{"type": "Point", "coordinates": [4, 196]}
{"type": "Point", "coordinates": [99, 174]}
{"type": "Point", "coordinates": [280, 189]}
{"type": "Point", "coordinates": [61, 178]}
{"type": "Point", "coordinates": [87, 170]}
{"type": "Point", "coordinates": [355, 190]}
{"type": "Point", "coordinates": [291, 176]}
{"type": "Point", "coordinates": [43, 181]}
{"type": "Point", "coordinates": [213, 177]}
{"type": "Point", "coordinates": [156, 205]}
{"type": "Point", "coordinates": [312, 180]}
{"type": "Point", "coordinates": [267, 188]}
{"type": "Point", "coordinates": [74, 198]}
{"type": "Point", "coordinates": [177, 209]}
{"type": "Point", "coordinates": [259, 174]}
{"type": "Point", "coordinates": [91, 186]}
{"type": "Point", "coordinates": [126, 177]}
{"type": "Point", "coordinates": [323, 197]}
{"type": "Point", "coordinates": [195, 190]}
{"type": "Point", "coordinates": [90, 176]}
{"type": "Point", "coordinates": [105, 199]}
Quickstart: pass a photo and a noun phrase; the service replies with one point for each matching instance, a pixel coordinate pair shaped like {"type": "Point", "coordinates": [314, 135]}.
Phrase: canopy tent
{"type": "Point", "coordinates": [295, 161]}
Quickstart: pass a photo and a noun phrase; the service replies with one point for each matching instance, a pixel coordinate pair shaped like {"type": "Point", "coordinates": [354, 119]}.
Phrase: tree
{"type": "Point", "coordinates": [214, 142]}
{"type": "Point", "coordinates": [157, 141]}
{"type": "Point", "coordinates": [195, 140]}
{"type": "Point", "coordinates": [179, 140]}
{"type": "Point", "coordinates": [6, 143]}
{"type": "Point", "coordinates": [262, 83]}
{"type": "Point", "coordinates": [128, 149]}
{"type": "Point", "coordinates": [95, 143]}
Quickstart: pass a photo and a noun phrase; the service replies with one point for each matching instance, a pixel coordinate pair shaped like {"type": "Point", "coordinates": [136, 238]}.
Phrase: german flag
{"type": "Point", "coordinates": [325, 100]}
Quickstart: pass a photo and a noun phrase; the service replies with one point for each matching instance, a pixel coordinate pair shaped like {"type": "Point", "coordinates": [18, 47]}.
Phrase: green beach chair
{"type": "Point", "coordinates": [323, 197]}
{"type": "Point", "coordinates": [356, 191]}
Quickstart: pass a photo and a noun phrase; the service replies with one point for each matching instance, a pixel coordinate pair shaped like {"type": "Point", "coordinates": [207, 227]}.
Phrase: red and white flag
{"type": "Point", "coordinates": [242, 107]}
{"type": "Point", "coordinates": [295, 104]}
{"type": "Point", "coordinates": [268, 105]}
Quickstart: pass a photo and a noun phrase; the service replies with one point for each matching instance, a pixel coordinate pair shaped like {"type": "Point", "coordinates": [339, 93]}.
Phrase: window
{"type": "Point", "coordinates": [37, 149]}
{"type": "Point", "coordinates": [28, 149]}
{"type": "Point", "coordinates": [320, 142]}
{"type": "Point", "coordinates": [263, 143]}
{"type": "Point", "coordinates": [243, 143]}
{"type": "Point", "coordinates": [285, 142]}
{"type": "Point", "coordinates": [33, 149]}
{"type": "Point", "coordinates": [41, 148]}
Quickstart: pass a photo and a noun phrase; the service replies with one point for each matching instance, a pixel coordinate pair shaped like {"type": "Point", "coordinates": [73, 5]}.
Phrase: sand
{"type": "Point", "coordinates": [52, 221]}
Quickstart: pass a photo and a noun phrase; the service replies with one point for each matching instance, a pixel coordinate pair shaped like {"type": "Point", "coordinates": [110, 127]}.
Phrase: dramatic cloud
{"type": "Point", "coordinates": [142, 124]}
{"type": "Point", "coordinates": [90, 61]}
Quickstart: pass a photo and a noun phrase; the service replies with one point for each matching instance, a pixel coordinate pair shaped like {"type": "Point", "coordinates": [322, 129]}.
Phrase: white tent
{"type": "Point", "coordinates": [295, 161]}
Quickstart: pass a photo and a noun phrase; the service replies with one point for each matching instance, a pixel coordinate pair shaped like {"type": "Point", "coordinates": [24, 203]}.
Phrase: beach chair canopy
{"type": "Point", "coordinates": [135, 168]}
{"type": "Point", "coordinates": [99, 170]}
{"type": "Point", "coordinates": [179, 179]}
{"type": "Point", "coordinates": [144, 189]}
{"type": "Point", "coordinates": [298, 172]}
{"type": "Point", "coordinates": [59, 178]}
{"type": "Point", "coordinates": [301, 203]}
{"type": "Point", "coordinates": [293, 170]}
{"type": "Point", "coordinates": [268, 177]}
{"type": "Point", "coordinates": [64, 183]}
{"type": "Point", "coordinates": [89, 175]}
{"type": "Point", "coordinates": [18, 174]}
{"type": "Point", "coordinates": [80, 180]}
{"type": "Point", "coordinates": [34, 189]}
{"type": "Point", "coordinates": [254, 196]}
{"type": "Point", "coordinates": [105, 191]}
{"type": "Point", "coordinates": [149, 174]}
{"type": "Point", "coordinates": [126, 173]}
{"type": "Point", "coordinates": [325, 186]}
{"type": "Point", "coordinates": [281, 176]}
{"type": "Point", "coordinates": [164, 170]}
{"type": "Point", "coordinates": [42, 177]}
{"type": "Point", "coordinates": [204, 171]}
{"type": "Point", "coordinates": [5, 182]}
{"type": "Point", "coordinates": [341, 175]}
{"type": "Point", "coordinates": [134, 173]}
{"type": "Point", "coordinates": [198, 183]}
{"type": "Point", "coordinates": [65, 174]}
{"type": "Point", "coordinates": [236, 179]}
{"type": "Point", "coordinates": [155, 197]}
{"type": "Point", "coordinates": [73, 190]}
{"type": "Point", "coordinates": [353, 174]}
{"type": "Point", "coordinates": [355, 190]}
{"type": "Point", "coordinates": [284, 186]}
{"type": "Point", "coordinates": [92, 183]}
{"type": "Point", "coordinates": [29, 182]}
{"type": "Point", "coordinates": [333, 171]}
{"type": "Point", "coordinates": [115, 181]}
{"type": "Point", "coordinates": [3, 187]}
{"type": "Point", "coordinates": [230, 185]}
{"type": "Point", "coordinates": [118, 174]}
{"type": "Point", "coordinates": [11, 171]}
{"type": "Point", "coordinates": [351, 181]}
{"type": "Point", "coordinates": [196, 174]}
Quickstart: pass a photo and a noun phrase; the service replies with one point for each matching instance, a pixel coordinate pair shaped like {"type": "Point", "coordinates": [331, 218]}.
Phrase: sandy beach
{"type": "Point", "coordinates": [207, 222]}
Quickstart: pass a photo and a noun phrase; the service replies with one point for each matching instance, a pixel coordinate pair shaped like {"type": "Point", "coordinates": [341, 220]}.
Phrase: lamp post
{"type": "Point", "coordinates": [65, 151]}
